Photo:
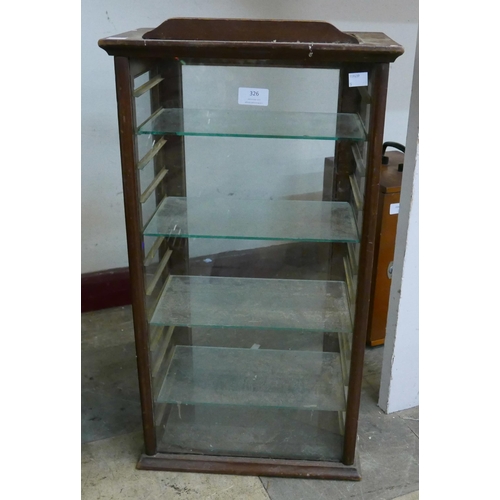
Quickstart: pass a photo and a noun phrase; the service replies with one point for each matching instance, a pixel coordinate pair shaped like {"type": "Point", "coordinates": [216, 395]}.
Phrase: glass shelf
{"type": "Point", "coordinates": [254, 123]}
{"type": "Point", "coordinates": [254, 303]}
{"type": "Point", "coordinates": [228, 218]}
{"type": "Point", "coordinates": [254, 377]}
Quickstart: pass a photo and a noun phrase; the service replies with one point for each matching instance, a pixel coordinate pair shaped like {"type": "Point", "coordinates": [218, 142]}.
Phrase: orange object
{"type": "Point", "coordinates": [387, 217]}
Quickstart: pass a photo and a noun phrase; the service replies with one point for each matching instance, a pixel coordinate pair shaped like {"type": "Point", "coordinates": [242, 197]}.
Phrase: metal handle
{"type": "Point", "coordinates": [389, 270]}
{"type": "Point", "coordinates": [395, 145]}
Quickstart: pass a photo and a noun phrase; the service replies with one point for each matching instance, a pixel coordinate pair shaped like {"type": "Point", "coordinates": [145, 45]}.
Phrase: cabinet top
{"type": "Point", "coordinates": [308, 43]}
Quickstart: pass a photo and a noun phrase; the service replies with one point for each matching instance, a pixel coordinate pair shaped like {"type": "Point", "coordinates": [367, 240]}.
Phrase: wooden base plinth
{"type": "Point", "coordinates": [250, 466]}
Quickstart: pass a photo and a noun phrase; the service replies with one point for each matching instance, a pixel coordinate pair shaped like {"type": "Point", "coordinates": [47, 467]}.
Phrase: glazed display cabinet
{"type": "Point", "coordinates": [250, 278]}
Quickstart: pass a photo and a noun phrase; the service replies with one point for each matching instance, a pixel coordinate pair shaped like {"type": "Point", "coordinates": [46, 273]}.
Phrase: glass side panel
{"type": "Point", "coordinates": [255, 123]}
{"type": "Point", "coordinates": [143, 108]}
{"type": "Point", "coordinates": [254, 219]}
{"type": "Point", "coordinates": [254, 377]}
{"type": "Point", "coordinates": [244, 430]}
{"type": "Point", "coordinates": [252, 432]}
{"type": "Point", "coordinates": [255, 303]}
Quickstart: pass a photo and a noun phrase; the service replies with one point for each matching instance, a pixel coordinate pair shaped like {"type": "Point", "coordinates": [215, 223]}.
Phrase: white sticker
{"type": "Point", "coordinates": [358, 79]}
{"type": "Point", "coordinates": [253, 97]}
{"type": "Point", "coordinates": [394, 208]}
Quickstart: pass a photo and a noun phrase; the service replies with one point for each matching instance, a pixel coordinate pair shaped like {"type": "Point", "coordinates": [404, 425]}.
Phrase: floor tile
{"type": "Point", "coordinates": [109, 388]}
{"type": "Point", "coordinates": [108, 471]}
{"type": "Point", "coordinates": [388, 452]}
{"type": "Point", "coordinates": [104, 416]}
{"type": "Point", "coordinates": [110, 393]}
{"type": "Point", "coordinates": [107, 328]}
{"type": "Point", "coordinates": [111, 429]}
{"type": "Point", "coordinates": [410, 496]}
{"type": "Point", "coordinates": [387, 448]}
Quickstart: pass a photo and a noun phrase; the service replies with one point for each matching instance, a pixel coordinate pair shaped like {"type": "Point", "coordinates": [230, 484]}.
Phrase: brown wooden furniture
{"type": "Point", "coordinates": [250, 359]}
{"type": "Point", "coordinates": [391, 175]}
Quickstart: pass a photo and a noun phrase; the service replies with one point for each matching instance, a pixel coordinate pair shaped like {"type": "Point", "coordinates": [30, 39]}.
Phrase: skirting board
{"type": "Point", "coordinates": [104, 289]}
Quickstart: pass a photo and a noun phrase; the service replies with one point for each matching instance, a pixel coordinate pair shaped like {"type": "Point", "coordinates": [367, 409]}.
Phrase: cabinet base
{"type": "Point", "coordinates": [250, 466]}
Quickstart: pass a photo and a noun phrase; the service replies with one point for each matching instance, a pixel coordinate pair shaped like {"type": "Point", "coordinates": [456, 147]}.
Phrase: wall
{"type": "Point", "coordinates": [103, 228]}
{"type": "Point", "coordinates": [399, 385]}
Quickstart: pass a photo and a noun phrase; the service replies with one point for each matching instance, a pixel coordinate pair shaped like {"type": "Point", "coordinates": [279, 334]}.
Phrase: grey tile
{"type": "Point", "coordinates": [410, 496]}
{"type": "Point", "coordinates": [411, 419]}
{"type": "Point", "coordinates": [107, 328]}
{"type": "Point", "coordinates": [111, 371]}
{"type": "Point", "coordinates": [110, 403]}
{"type": "Point", "coordinates": [388, 452]}
{"type": "Point", "coordinates": [372, 371]}
{"type": "Point", "coordinates": [373, 361]}
{"type": "Point", "coordinates": [108, 471]}
{"type": "Point", "coordinates": [104, 416]}
{"type": "Point", "coordinates": [388, 444]}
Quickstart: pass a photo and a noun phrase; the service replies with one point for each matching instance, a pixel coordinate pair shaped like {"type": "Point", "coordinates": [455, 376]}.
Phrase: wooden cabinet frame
{"type": "Point", "coordinates": [267, 43]}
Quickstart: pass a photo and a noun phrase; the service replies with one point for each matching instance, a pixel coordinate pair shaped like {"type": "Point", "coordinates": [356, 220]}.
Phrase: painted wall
{"type": "Point", "coordinates": [399, 384]}
{"type": "Point", "coordinates": [103, 228]}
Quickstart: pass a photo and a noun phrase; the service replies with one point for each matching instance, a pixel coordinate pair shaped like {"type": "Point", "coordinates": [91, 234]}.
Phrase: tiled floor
{"type": "Point", "coordinates": [112, 436]}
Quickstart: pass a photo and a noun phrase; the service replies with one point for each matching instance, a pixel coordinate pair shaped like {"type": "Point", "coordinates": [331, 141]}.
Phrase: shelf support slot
{"type": "Point", "coordinates": [158, 205]}
{"type": "Point", "coordinates": [343, 362]}
{"type": "Point", "coordinates": [155, 336]}
{"type": "Point", "coordinates": [151, 153]}
{"type": "Point", "coordinates": [159, 271]}
{"type": "Point", "coordinates": [152, 117]}
{"type": "Point", "coordinates": [160, 355]}
{"type": "Point", "coordinates": [358, 158]}
{"type": "Point", "coordinates": [165, 358]}
{"type": "Point", "coordinates": [148, 85]}
{"type": "Point", "coordinates": [358, 199]}
{"type": "Point", "coordinates": [152, 309]}
{"type": "Point", "coordinates": [151, 188]}
{"type": "Point", "coordinates": [152, 251]}
{"type": "Point", "coordinates": [350, 282]}
{"type": "Point", "coordinates": [352, 258]}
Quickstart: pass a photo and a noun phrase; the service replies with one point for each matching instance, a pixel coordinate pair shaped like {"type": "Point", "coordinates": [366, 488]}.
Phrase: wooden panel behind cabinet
{"type": "Point", "coordinates": [390, 191]}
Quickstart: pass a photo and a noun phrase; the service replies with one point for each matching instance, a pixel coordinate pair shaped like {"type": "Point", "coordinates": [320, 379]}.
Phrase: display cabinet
{"type": "Point", "coordinates": [250, 283]}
